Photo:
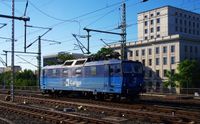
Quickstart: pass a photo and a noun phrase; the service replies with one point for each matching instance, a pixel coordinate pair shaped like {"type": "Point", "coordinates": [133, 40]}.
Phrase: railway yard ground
{"type": "Point", "coordinates": [30, 107]}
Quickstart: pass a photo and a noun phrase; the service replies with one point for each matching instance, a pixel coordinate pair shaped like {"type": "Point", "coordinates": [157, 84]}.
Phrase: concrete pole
{"type": "Point", "coordinates": [12, 56]}
{"type": "Point", "coordinates": [39, 60]}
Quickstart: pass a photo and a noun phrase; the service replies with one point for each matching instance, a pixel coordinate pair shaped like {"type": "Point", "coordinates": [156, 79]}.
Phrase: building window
{"type": "Point", "coordinates": [145, 38]}
{"type": "Point", "coordinates": [157, 61]}
{"type": "Point", "coordinates": [172, 49]}
{"type": "Point", "coordinates": [151, 22]}
{"type": "Point", "coordinates": [151, 15]}
{"type": "Point", "coordinates": [158, 13]}
{"type": "Point", "coordinates": [194, 32]}
{"type": "Point", "coordinates": [176, 29]}
{"type": "Point", "coordinates": [193, 24]}
{"type": "Point", "coordinates": [164, 49]}
{"type": "Point", "coordinates": [180, 22]}
{"type": "Point", "coordinates": [158, 28]}
{"type": "Point", "coordinates": [189, 31]}
{"type": "Point", "coordinates": [197, 25]}
{"type": "Point", "coordinates": [191, 49]}
{"type": "Point", "coordinates": [189, 23]}
{"type": "Point", "coordinates": [131, 53]}
{"type": "Point", "coordinates": [186, 49]}
{"type": "Point", "coordinates": [185, 22]}
{"type": "Point", "coordinates": [196, 49]}
{"type": "Point", "coordinates": [197, 32]}
{"type": "Point", "coordinates": [158, 35]}
{"type": "Point", "coordinates": [185, 16]}
{"type": "Point", "coordinates": [185, 30]}
{"type": "Point", "coordinates": [145, 31]}
{"type": "Point", "coordinates": [145, 23]}
{"type": "Point", "coordinates": [152, 37]}
{"type": "Point", "coordinates": [150, 62]}
{"type": "Point", "coordinates": [145, 16]}
{"type": "Point", "coordinates": [164, 60]}
{"type": "Point", "coordinates": [157, 73]}
{"type": "Point", "coordinates": [157, 50]}
{"type": "Point", "coordinates": [150, 51]}
{"type": "Point", "coordinates": [181, 29]}
{"type": "Point", "coordinates": [180, 14]}
{"type": "Point", "coordinates": [165, 73]}
{"type": "Point", "coordinates": [137, 53]}
{"type": "Point", "coordinates": [151, 30]}
{"type": "Point", "coordinates": [172, 60]}
{"type": "Point", "coordinates": [158, 20]}
{"type": "Point", "coordinates": [176, 20]}
{"type": "Point", "coordinates": [143, 62]}
{"type": "Point", "coordinates": [143, 52]}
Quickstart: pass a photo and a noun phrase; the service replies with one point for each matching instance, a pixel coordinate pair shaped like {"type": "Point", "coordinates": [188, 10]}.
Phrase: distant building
{"type": "Point", "coordinates": [54, 57]}
{"type": "Point", "coordinates": [166, 36]}
{"type": "Point", "coordinates": [2, 69]}
{"type": "Point", "coordinates": [16, 68]}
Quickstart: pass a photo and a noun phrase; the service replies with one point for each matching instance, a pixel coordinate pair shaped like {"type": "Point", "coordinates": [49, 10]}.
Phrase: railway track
{"type": "Point", "coordinates": [122, 112]}
{"type": "Point", "coordinates": [49, 115]}
{"type": "Point", "coordinates": [192, 104]}
{"type": "Point", "coordinates": [5, 121]}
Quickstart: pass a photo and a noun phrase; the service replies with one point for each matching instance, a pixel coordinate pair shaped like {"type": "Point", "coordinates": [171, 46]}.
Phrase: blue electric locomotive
{"type": "Point", "coordinates": [116, 77]}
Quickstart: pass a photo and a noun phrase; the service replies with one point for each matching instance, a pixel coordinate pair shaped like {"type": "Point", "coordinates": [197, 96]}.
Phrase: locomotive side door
{"type": "Point", "coordinates": [43, 79]}
{"type": "Point", "coordinates": [114, 77]}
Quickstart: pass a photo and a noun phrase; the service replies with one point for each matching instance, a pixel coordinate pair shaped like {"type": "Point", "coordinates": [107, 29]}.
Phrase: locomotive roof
{"type": "Point", "coordinates": [103, 62]}
{"type": "Point", "coordinates": [52, 66]}
{"type": "Point", "coordinates": [84, 62]}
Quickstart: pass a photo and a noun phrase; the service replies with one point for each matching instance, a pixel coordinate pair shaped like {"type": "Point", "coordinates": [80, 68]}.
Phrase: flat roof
{"type": "Point", "coordinates": [169, 7]}
{"type": "Point", "coordinates": [157, 40]}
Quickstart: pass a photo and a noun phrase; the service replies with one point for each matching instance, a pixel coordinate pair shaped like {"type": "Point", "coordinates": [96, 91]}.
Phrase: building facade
{"type": "Point", "coordinates": [16, 68]}
{"type": "Point", "coordinates": [166, 21]}
{"type": "Point", "coordinates": [166, 36]}
{"type": "Point", "coordinates": [2, 69]}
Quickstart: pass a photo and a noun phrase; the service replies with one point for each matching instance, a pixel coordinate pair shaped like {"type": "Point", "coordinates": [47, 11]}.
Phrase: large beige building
{"type": "Point", "coordinates": [166, 36]}
{"type": "Point", "coordinates": [167, 20]}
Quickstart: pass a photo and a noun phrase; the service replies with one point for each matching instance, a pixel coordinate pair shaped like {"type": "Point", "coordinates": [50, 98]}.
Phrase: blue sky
{"type": "Point", "coordinates": [55, 13]}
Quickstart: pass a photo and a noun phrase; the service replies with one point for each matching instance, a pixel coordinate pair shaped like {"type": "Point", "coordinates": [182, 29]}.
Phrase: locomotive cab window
{"type": "Point", "coordinates": [138, 68]}
{"type": "Point", "coordinates": [132, 68]}
{"type": "Point", "coordinates": [115, 69]}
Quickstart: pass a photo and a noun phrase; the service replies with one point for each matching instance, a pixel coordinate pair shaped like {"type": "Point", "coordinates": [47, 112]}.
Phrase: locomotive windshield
{"type": "Point", "coordinates": [132, 68]}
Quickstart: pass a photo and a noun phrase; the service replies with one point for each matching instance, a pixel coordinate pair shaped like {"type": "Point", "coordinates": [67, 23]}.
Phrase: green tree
{"type": "Point", "coordinates": [51, 63]}
{"type": "Point", "coordinates": [171, 79]}
{"type": "Point", "coordinates": [5, 78]}
{"type": "Point", "coordinates": [63, 57]}
{"type": "Point", "coordinates": [189, 74]}
{"type": "Point", "coordinates": [104, 54]}
{"type": "Point", "coordinates": [23, 78]}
